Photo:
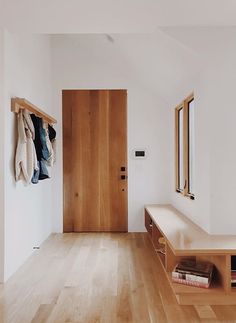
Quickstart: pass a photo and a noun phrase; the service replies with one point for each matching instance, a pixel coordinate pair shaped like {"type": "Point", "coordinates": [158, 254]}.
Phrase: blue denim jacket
{"type": "Point", "coordinates": [41, 173]}
{"type": "Point", "coordinates": [40, 138]}
{"type": "Point", "coordinates": [41, 150]}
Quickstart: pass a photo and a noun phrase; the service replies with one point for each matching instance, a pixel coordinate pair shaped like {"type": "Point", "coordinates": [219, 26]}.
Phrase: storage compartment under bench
{"type": "Point", "coordinates": [148, 223]}
{"type": "Point", "coordinates": [175, 237]}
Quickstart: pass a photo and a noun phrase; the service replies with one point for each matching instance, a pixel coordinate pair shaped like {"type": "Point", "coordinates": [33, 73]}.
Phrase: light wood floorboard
{"type": "Point", "coordinates": [98, 277]}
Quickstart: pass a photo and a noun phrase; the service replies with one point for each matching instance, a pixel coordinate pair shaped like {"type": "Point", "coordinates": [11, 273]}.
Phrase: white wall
{"type": "Point", "coordinates": [91, 61]}
{"type": "Point", "coordinates": [28, 210]}
{"type": "Point", "coordinates": [197, 210]}
{"type": "Point", "coordinates": [214, 86]}
{"type": "Point", "coordinates": [222, 85]}
{"type": "Point", "coordinates": [1, 155]}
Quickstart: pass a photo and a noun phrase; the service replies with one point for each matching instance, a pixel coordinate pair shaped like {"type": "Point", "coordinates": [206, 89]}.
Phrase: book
{"type": "Point", "coordinates": [190, 277]}
{"type": "Point", "coordinates": [233, 278]}
{"type": "Point", "coordinates": [200, 268]}
{"type": "Point", "coordinates": [190, 283]}
{"type": "Point", "coordinates": [203, 267]}
{"type": "Point", "coordinates": [190, 272]}
{"type": "Point", "coordinates": [193, 273]}
{"type": "Point", "coordinates": [233, 263]}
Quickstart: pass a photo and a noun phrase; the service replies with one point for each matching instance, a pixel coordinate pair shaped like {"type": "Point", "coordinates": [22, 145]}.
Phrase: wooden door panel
{"type": "Point", "coordinates": [67, 103]}
{"type": "Point", "coordinates": [104, 160]}
{"type": "Point", "coordinates": [85, 164]}
{"type": "Point", "coordinates": [95, 197]}
{"type": "Point", "coordinates": [118, 158]}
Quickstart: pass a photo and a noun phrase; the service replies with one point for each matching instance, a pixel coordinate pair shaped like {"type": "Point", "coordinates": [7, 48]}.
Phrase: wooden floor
{"type": "Point", "coordinates": [98, 277]}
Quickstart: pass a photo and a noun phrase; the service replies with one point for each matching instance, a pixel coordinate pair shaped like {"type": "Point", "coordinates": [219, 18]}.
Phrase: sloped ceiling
{"type": "Point", "coordinates": [164, 64]}
{"type": "Point", "coordinates": [113, 16]}
{"type": "Point", "coordinates": [156, 61]}
{"type": "Point", "coordinates": [164, 41]}
{"type": "Point", "coordinates": [202, 40]}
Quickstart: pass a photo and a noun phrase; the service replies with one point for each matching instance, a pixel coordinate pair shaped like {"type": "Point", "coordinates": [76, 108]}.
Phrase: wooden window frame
{"type": "Point", "coordinates": [185, 106]}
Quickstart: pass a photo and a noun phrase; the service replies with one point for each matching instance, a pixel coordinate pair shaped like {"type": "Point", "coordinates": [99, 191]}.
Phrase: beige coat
{"type": "Point", "coordinates": [26, 159]}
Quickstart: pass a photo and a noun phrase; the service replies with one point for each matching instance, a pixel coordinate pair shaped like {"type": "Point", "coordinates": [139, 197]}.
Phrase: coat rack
{"type": "Point", "coordinates": [18, 104]}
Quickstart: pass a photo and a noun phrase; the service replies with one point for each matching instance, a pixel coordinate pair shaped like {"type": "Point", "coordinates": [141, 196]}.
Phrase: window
{"type": "Point", "coordinates": [185, 149]}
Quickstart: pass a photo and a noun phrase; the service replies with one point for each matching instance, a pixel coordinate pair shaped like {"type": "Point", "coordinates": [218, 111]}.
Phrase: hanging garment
{"type": "Point", "coordinates": [52, 132]}
{"type": "Point", "coordinates": [29, 123]}
{"type": "Point", "coordinates": [25, 159]}
{"type": "Point", "coordinates": [40, 138]}
{"type": "Point", "coordinates": [52, 136]}
{"type": "Point", "coordinates": [42, 151]}
{"type": "Point", "coordinates": [54, 148]}
{"type": "Point", "coordinates": [50, 160]}
{"type": "Point", "coordinates": [41, 173]}
{"type": "Point", "coordinates": [43, 170]}
{"type": "Point", "coordinates": [35, 177]}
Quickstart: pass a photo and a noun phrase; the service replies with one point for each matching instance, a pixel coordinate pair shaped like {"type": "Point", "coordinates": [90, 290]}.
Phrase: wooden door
{"type": "Point", "coordinates": [95, 160]}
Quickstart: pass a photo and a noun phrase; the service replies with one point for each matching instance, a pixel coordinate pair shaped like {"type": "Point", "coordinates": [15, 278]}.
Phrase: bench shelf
{"type": "Point", "coordinates": [184, 239]}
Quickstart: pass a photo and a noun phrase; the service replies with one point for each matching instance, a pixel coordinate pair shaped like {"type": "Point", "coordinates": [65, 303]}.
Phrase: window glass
{"type": "Point", "coordinates": [191, 150]}
{"type": "Point", "coordinates": [181, 148]}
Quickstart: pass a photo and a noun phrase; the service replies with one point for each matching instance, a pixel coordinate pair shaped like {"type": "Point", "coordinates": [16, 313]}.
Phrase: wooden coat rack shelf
{"type": "Point", "coordinates": [18, 104]}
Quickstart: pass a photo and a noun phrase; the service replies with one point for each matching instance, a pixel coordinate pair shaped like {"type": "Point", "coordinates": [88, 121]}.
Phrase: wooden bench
{"type": "Point", "coordinates": [185, 239]}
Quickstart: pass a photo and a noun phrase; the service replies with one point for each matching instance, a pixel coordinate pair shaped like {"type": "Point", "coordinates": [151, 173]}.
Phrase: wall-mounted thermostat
{"type": "Point", "coordinates": [140, 153]}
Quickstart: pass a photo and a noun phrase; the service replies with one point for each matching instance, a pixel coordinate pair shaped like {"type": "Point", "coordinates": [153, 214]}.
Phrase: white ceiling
{"type": "Point", "coordinates": [155, 61]}
{"type": "Point", "coordinates": [163, 41]}
{"type": "Point", "coordinates": [113, 16]}
{"type": "Point", "coordinates": [167, 62]}
{"type": "Point", "coordinates": [202, 40]}
{"type": "Point", "coordinates": [162, 63]}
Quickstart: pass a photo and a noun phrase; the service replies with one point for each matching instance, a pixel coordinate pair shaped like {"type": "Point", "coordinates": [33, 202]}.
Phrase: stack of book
{"type": "Point", "coordinates": [233, 271]}
{"type": "Point", "coordinates": [233, 278]}
{"type": "Point", "coordinates": [193, 273]}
